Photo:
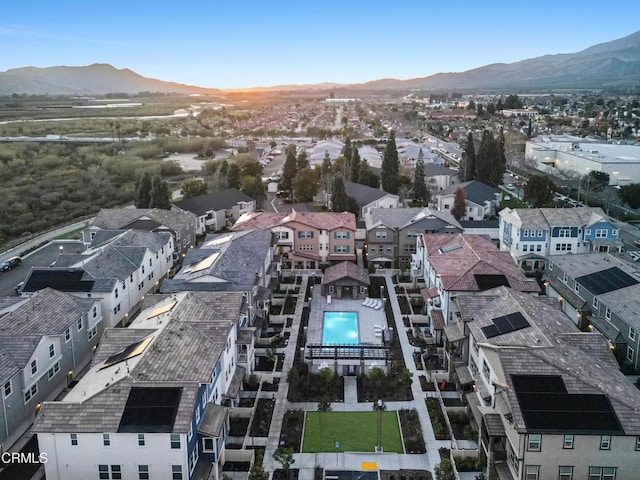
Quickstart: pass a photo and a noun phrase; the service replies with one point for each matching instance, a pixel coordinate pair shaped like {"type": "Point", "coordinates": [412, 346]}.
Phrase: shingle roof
{"type": "Point", "coordinates": [346, 270]}
{"type": "Point", "coordinates": [417, 218]}
{"type": "Point", "coordinates": [364, 194]}
{"type": "Point", "coordinates": [475, 191]}
{"type": "Point", "coordinates": [220, 200]}
{"type": "Point", "coordinates": [553, 217]}
{"type": "Point", "coordinates": [433, 169]}
{"type": "Point", "coordinates": [117, 218]}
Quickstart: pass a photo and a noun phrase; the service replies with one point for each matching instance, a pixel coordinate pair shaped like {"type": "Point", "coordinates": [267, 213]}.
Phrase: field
{"type": "Point", "coordinates": [355, 432]}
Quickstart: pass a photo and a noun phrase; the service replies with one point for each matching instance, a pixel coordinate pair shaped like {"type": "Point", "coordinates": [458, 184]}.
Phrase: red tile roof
{"type": "Point", "coordinates": [428, 293]}
{"type": "Point", "coordinates": [437, 320]}
{"type": "Point", "coordinates": [456, 259]}
{"type": "Point", "coordinates": [318, 220]}
{"type": "Point", "coordinates": [346, 270]}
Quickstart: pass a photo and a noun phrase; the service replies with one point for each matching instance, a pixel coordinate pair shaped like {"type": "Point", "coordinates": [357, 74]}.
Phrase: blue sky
{"type": "Point", "coordinates": [235, 43]}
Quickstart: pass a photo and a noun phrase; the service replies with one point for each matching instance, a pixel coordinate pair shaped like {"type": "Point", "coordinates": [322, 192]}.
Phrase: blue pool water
{"type": "Point", "coordinates": [340, 327]}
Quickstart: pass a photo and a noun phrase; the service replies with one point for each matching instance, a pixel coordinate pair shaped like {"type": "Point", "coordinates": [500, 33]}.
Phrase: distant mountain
{"type": "Point", "coordinates": [610, 64]}
{"type": "Point", "coordinates": [96, 79]}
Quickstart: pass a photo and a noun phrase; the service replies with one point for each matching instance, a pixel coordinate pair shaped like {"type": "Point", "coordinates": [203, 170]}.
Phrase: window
{"type": "Point", "coordinates": [381, 234]}
{"type": "Point", "coordinates": [601, 233]}
{"type": "Point", "coordinates": [92, 333]}
{"type": "Point", "coordinates": [341, 248]}
{"type": "Point", "coordinates": [576, 287]}
{"type": "Point", "coordinates": [565, 278]}
{"type": "Point", "coordinates": [541, 233]}
{"type": "Point", "coordinates": [568, 441]}
{"type": "Point", "coordinates": [103, 472]}
{"type": "Point", "coordinates": [632, 333]}
{"type": "Point", "coordinates": [525, 233]}
{"type": "Point", "coordinates": [190, 433]}
{"type": "Point", "coordinates": [7, 389]}
{"type": "Point", "coordinates": [143, 472]}
{"type": "Point", "coordinates": [614, 232]}
{"type": "Point", "coordinates": [565, 473]}
{"type": "Point", "coordinates": [595, 304]}
{"type": "Point", "coordinates": [175, 440]}
{"type": "Point", "coordinates": [106, 440]}
{"type": "Point", "coordinates": [533, 442]}
{"type": "Point", "coordinates": [330, 288]}
{"type": "Point", "coordinates": [208, 445]}
{"type": "Point", "coordinates": [587, 232]}
{"type": "Point", "coordinates": [124, 284]}
{"type": "Point", "coordinates": [532, 472]}
{"type": "Point", "coordinates": [305, 248]}
{"type": "Point", "coordinates": [197, 415]}
{"type": "Point", "coordinates": [305, 234]}
{"type": "Point", "coordinates": [67, 335]}
{"type": "Point", "coordinates": [629, 355]}
{"type": "Point", "coordinates": [637, 444]}
{"type": "Point", "coordinates": [485, 370]}
{"type": "Point", "coordinates": [412, 233]}
{"type": "Point", "coordinates": [564, 233]}
{"type": "Point", "coordinates": [53, 370]}
{"type": "Point", "coordinates": [142, 441]}
{"type": "Point", "coordinates": [74, 439]}
{"type": "Point", "coordinates": [550, 265]}
{"type": "Point", "coordinates": [341, 235]}
{"type": "Point", "coordinates": [116, 293]}
{"type": "Point", "coordinates": [94, 311]}
{"type": "Point", "coordinates": [607, 313]}
{"type": "Point", "coordinates": [29, 394]}
{"type": "Point", "coordinates": [525, 248]}
{"type": "Point", "coordinates": [34, 367]}
{"type": "Point", "coordinates": [79, 324]}
{"type": "Point", "coordinates": [605, 442]}
{"type": "Point", "coordinates": [176, 472]}
{"type": "Point", "coordinates": [474, 345]}
{"type": "Point", "coordinates": [538, 248]}
{"type": "Point", "coordinates": [602, 473]}
{"type": "Point", "coordinates": [513, 460]}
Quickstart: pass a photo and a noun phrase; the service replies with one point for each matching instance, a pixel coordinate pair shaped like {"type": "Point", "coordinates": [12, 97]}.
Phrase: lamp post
{"type": "Point", "coordinates": [379, 445]}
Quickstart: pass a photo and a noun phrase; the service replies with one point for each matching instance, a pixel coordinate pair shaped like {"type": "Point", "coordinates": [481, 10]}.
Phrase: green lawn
{"type": "Point", "coordinates": [513, 202]}
{"type": "Point", "coordinates": [356, 432]}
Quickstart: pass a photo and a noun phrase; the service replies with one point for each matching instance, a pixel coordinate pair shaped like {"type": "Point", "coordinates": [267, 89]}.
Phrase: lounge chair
{"type": "Point", "coordinates": [366, 301]}
{"type": "Point", "coordinates": [329, 299]}
{"type": "Point", "coordinates": [378, 305]}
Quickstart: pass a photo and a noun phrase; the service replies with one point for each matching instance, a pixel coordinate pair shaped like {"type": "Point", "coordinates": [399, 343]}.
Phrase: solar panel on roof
{"type": "Point", "coordinates": [218, 241]}
{"type": "Point", "coordinates": [202, 264]}
{"type": "Point", "coordinates": [606, 281]}
{"type": "Point", "coordinates": [486, 282]}
{"type": "Point", "coordinates": [161, 310]}
{"type": "Point", "coordinates": [150, 410]}
{"type": "Point", "coordinates": [505, 324]}
{"type": "Point", "coordinates": [547, 407]}
{"type": "Point", "coordinates": [449, 248]}
{"type": "Point", "coordinates": [131, 351]}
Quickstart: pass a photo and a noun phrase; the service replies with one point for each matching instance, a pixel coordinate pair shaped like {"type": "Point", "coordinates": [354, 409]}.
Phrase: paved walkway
{"type": "Point", "coordinates": [306, 462]}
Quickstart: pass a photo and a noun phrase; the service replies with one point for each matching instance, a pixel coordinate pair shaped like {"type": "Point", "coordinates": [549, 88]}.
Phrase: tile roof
{"type": "Point", "coordinates": [319, 220]}
{"type": "Point", "coordinates": [346, 270]}
{"type": "Point", "coordinates": [460, 259]}
{"type": "Point", "coordinates": [220, 200]}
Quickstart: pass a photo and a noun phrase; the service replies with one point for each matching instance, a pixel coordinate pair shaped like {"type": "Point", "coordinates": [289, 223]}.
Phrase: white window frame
{"type": "Point", "coordinates": [176, 472]}
{"type": "Point", "coordinates": [106, 440]}
{"type": "Point", "coordinates": [605, 442]}
{"type": "Point", "coordinates": [565, 472]}
{"type": "Point", "coordinates": [7, 388]}
{"type": "Point", "coordinates": [595, 303]}
{"type": "Point", "coordinates": [92, 333]}
{"type": "Point", "coordinates": [607, 313]}
{"type": "Point", "coordinates": [54, 370]}
{"type": "Point", "coordinates": [142, 440]}
{"type": "Point", "coordinates": [34, 367]}
{"type": "Point", "coordinates": [632, 333]}
{"type": "Point", "coordinates": [79, 324]}
{"type": "Point", "coordinates": [550, 265]}
{"type": "Point", "coordinates": [381, 234]}
{"type": "Point", "coordinates": [67, 335]}
{"type": "Point", "coordinates": [205, 449]}
{"type": "Point", "coordinates": [73, 439]}
{"type": "Point", "coordinates": [601, 233]}
{"type": "Point", "coordinates": [568, 441]}
{"type": "Point", "coordinates": [534, 442]}
{"type": "Point", "coordinates": [629, 353]}
{"type": "Point", "coordinates": [30, 393]}
{"type": "Point", "coordinates": [175, 441]}
{"type": "Point", "coordinates": [565, 278]}
{"type": "Point", "coordinates": [532, 472]}
{"type": "Point", "coordinates": [143, 472]}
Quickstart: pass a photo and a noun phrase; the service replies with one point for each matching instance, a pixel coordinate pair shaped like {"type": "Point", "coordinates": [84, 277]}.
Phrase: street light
{"type": "Point", "coordinates": [379, 445]}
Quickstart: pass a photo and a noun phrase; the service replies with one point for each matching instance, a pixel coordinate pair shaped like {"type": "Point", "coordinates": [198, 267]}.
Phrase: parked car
{"type": "Point", "coordinates": [509, 186]}
{"type": "Point", "coordinates": [10, 264]}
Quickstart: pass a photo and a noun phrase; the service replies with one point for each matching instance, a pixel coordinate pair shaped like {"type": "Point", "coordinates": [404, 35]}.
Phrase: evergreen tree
{"type": "Point", "coordinates": [539, 191]}
{"type": "Point", "coordinates": [355, 164]}
{"type": "Point", "coordinates": [339, 197]}
{"type": "Point", "coordinates": [254, 187]}
{"type": "Point", "coordinates": [233, 176]}
{"type": "Point", "coordinates": [347, 150]}
{"type": "Point", "coordinates": [489, 160]}
{"type": "Point", "coordinates": [326, 170]}
{"type": "Point", "coordinates": [390, 165]}
{"type": "Point", "coordinates": [367, 177]}
{"type": "Point", "coordinates": [143, 190]}
{"type": "Point", "coordinates": [290, 167]}
{"type": "Point", "coordinates": [469, 156]}
{"type": "Point", "coordinates": [194, 187]}
{"type": "Point", "coordinates": [301, 160]}
{"type": "Point", "coordinates": [159, 196]}
{"type": "Point", "coordinates": [224, 168]}
{"type": "Point", "coordinates": [419, 187]}
{"type": "Point", "coordinates": [305, 185]}
{"type": "Point", "coordinates": [459, 208]}
{"type": "Point", "coordinates": [502, 163]}
{"type": "Point", "coordinates": [499, 105]}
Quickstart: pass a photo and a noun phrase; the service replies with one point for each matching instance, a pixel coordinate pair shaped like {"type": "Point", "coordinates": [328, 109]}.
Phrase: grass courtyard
{"type": "Point", "coordinates": [355, 431]}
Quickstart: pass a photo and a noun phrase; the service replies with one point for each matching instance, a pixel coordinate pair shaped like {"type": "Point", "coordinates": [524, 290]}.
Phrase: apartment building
{"type": "Point", "coordinates": [531, 234]}
{"type": "Point", "coordinates": [217, 210]}
{"type": "Point", "coordinates": [600, 292]}
{"type": "Point", "coordinates": [151, 404]}
{"type": "Point", "coordinates": [306, 240]}
{"type": "Point", "coordinates": [549, 400]}
{"type": "Point", "coordinates": [45, 341]}
{"type": "Point", "coordinates": [482, 200]}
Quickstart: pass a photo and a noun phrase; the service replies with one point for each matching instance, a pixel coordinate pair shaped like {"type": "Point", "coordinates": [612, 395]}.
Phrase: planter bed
{"type": "Point", "coordinates": [411, 431]}
{"type": "Point", "coordinates": [247, 402]}
{"type": "Point", "coordinates": [437, 419]}
{"type": "Point", "coordinates": [264, 364]}
{"type": "Point", "coordinates": [291, 433]}
{"type": "Point", "coordinates": [236, 467]}
{"type": "Point", "coordinates": [262, 418]}
{"type": "Point", "coordinates": [238, 426]}
{"type": "Point", "coordinates": [405, 475]}
{"type": "Point", "coordinates": [426, 385]}
{"type": "Point", "coordinates": [453, 402]}
{"type": "Point", "coordinates": [271, 387]}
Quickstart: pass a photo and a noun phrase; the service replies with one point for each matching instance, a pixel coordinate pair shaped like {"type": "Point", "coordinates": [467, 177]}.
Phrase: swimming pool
{"type": "Point", "coordinates": [340, 327]}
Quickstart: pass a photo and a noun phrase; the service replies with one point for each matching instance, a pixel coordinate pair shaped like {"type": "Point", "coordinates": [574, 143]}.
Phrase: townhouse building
{"type": "Point", "coordinates": [217, 210]}
{"type": "Point", "coordinates": [180, 224]}
{"type": "Point", "coordinates": [548, 399]}
{"type": "Point", "coordinates": [158, 387]}
{"type": "Point", "coordinates": [531, 234]}
{"type": "Point", "coordinates": [600, 292]}
{"type": "Point", "coordinates": [119, 267]}
{"type": "Point", "coordinates": [458, 265]}
{"type": "Point", "coordinates": [482, 200]}
{"type": "Point", "coordinates": [391, 233]}
{"type": "Point", "coordinates": [439, 178]}
{"type": "Point", "coordinates": [306, 240]}
{"type": "Point", "coordinates": [45, 341]}
{"type": "Point", "coordinates": [368, 197]}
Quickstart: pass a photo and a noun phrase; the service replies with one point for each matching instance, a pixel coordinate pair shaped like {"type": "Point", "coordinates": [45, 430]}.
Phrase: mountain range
{"type": "Point", "coordinates": [614, 64]}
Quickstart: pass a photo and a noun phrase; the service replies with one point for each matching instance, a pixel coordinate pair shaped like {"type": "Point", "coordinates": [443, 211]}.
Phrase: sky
{"type": "Point", "coordinates": [236, 43]}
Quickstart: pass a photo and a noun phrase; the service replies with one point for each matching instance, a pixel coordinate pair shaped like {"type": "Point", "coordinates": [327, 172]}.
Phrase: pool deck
{"type": "Point", "coordinates": [367, 318]}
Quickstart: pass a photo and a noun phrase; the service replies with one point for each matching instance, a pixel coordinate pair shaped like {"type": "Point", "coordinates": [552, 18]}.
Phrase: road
{"type": "Point", "coordinates": [43, 257]}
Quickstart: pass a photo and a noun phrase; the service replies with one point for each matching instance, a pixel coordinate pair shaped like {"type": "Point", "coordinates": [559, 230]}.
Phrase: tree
{"type": "Point", "coordinates": [326, 170]}
{"type": "Point", "coordinates": [489, 160]}
{"type": "Point", "coordinates": [539, 190]}
{"type": "Point", "coordinates": [630, 195]}
{"type": "Point", "coordinates": [390, 165]}
{"type": "Point", "coordinates": [339, 197]}
{"type": "Point", "coordinates": [444, 470]}
{"type": "Point", "coordinates": [248, 165]}
{"type": "Point", "coordinates": [324, 406]}
{"type": "Point", "coordinates": [143, 190]}
{"type": "Point", "coordinates": [597, 181]}
{"type": "Point", "coordinates": [469, 158]}
{"type": "Point", "coordinates": [419, 187]}
{"type": "Point", "coordinates": [355, 164]}
{"type": "Point", "coordinates": [471, 105]}
{"type": "Point", "coordinates": [159, 196]}
{"type": "Point", "coordinates": [459, 208]}
{"type": "Point", "coordinates": [347, 151]}
{"type": "Point", "coordinates": [273, 144]}
{"type": "Point", "coordinates": [233, 176]}
{"type": "Point", "coordinates": [257, 470]}
{"type": "Point", "coordinates": [193, 187]}
{"type": "Point", "coordinates": [305, 185]}
{"type": "Point", "coordinates": [284, 456]}
{"type": "Point", "coordinates": [254, 187]}
{"type": "Point", "coordinates": [367, 177]}
{"type": "Point", "coordinates": [301, 160]}
{"type": "Point", "coordinates": [290, 168]}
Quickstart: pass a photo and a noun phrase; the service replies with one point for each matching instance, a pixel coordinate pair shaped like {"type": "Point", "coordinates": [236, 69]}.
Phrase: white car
{"type": "Point", "coordinates": [509, 186]}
